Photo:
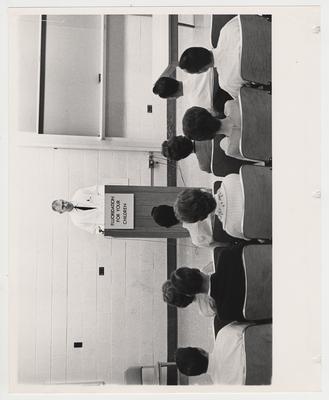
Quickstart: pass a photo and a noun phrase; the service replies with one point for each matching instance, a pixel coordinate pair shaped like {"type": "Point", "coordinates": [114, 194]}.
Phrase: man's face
{"type": "Point", "coordinates": [62, 206]}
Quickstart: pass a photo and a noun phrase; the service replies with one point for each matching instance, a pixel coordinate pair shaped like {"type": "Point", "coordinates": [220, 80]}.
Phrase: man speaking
{"type": "Point", "coordinates": [86, 208]}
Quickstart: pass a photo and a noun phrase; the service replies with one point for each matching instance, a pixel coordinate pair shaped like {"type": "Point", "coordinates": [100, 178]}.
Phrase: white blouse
{"type": "Point", "coordinates": [230, 205]}
{"type": "Point", "coordinates": [227, 362]}
{"type": "Point", "coordinates": [227, 57]}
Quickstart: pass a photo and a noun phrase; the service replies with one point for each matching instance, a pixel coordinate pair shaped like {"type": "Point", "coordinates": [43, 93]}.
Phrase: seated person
{"type": "Point", "coordinates": [226, 287]}
{"type": "Point", "coordinates": [86, 208]}
{"type": "Point", "coordinates": [173, 297]}
{"type": "Point", "coordinates": [200, 232]}
{"type": "Point", "coordinates": [199, 124]}
{"type": "Point", "coordinates": [180, 147]}
{"type": "Point", "coordinates": [199, 90]}
{"type": "Point", "coordinates": [225, 365]}
{"type": "Point", "coordinates": [193, 205]}
{"type": "Point", "coordinates": [226, 58]}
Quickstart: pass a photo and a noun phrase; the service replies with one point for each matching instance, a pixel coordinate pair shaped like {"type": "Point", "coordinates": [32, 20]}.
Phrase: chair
{"type": "Point", "coordinates": [257, 191]}
{"type": "Point", "coordinates": [221, 164]}
{"type": "Point", "coordinates": [134, 375]}
{"type": "Point", "coordinates": [256, 55]}
{"type": "Point", "coordinates": [256, 117]}
{"type": "Point", "coordinates": [258, 347]}
{"type": "Point", "coordinates": [257, 262]}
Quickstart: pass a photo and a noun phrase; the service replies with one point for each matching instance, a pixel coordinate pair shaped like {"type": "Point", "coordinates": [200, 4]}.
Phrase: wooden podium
{"type": "Point", "coordinates": [144, 199]}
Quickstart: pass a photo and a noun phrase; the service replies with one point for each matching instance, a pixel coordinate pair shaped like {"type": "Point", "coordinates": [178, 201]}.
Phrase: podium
{"type": "Point", "coordinates": [137, 210]}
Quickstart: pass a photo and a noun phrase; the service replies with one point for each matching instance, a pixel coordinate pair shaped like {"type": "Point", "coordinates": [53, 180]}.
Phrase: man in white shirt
{"type": "Point", "coordinates": [86, 208]}
{"type": "Point", "coordinates": [226, 58]}
{"type": "Point", "coordinates": [195, 205]}
{"type": "Point", "coordinates": [225, 365]}
{"type": "Point", "coordinates": [179, 147]}
{"type": "Point", "coordinates": [198, 90]}
{"type": "Point", "coordinates": [199, 124]}
{"type": "Point", "coordinates": [200, 232]}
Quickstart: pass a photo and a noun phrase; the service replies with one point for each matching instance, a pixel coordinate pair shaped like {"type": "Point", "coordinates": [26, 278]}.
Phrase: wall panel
{"type": "Point", "coordinates": [119, 316]}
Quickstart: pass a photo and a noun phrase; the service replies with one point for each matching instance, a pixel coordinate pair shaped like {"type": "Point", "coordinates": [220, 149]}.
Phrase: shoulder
{"type": "Point", "coordinates": [189, 226]}
{"type": "Point", "coordinates": [232, 24]}
{"type": "Point", "coordinates": [230, 180]}
{"type": "Point", "coordinates": [230, 106]}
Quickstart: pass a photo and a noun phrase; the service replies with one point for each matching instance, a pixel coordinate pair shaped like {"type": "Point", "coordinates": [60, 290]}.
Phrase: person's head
{"type": "Point", "coordinates": [194, 205]}
{"type": "Point", "coordinates": [173, 297]}
{"type": "Point", "coordinates": [164, 215]}
{"type": "Point", "coordinates": [167, 88]}
{"type": "Point", "coordinates": [177, 148]}
{"type": "Point", "coordinates": [196, 60]}
{"type": "Point", "coordinates": [191, 361]}
{"type": "Point", "coordinates": [189, 281]}
{"type": "Point", "coordinates": [199, 124]}
{"type": "Point", "coordinates": [61, 206]}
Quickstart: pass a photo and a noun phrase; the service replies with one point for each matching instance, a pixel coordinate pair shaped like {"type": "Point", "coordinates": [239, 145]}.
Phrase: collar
{"type": "Point", "coordinates": [193, 143]}
{"type": "Point", "coordinates": [209, 285]}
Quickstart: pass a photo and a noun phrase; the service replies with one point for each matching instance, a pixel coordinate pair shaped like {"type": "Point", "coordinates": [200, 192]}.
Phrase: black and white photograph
{"type": "Point", "coordinates": [142, 208]}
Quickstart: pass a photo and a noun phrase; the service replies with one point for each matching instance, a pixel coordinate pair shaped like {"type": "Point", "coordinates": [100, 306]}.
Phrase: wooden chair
{"type": "Point", "coordinates": [256, 55]}
{"type": "Point", "coordinates": [256, 117]}
{"type": "Point", "coordinates": [257, 191]}
{"type": "Point", "coordinates": [257, 262]}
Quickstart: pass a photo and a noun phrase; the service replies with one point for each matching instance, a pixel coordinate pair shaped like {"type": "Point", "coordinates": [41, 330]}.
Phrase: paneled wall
{"type": "Point", "coordinates": [119, 317]}
{"type": "Point", "coordinates": [131, 58]}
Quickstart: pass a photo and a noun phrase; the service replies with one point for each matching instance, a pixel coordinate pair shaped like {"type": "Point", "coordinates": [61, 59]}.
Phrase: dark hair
{"type": "Point", "coordinates": [187, 280]}
{"type": "Point", "coordinates": [194, 205]}
{"type": "Point", "coordinates": [174, 297]}
{"type": "Point", "coordinates": [165, 87]}
{"type": "Point", "coordinates": [194, 59]}
{"type": "Point", "coordinates": [199, 124]}
{"type": "Point", "coordinates": [177, 148]}
{"type": "Point", "coordinates": [191, 361]}
{"type": "Point", "coordinates": [164, 215]}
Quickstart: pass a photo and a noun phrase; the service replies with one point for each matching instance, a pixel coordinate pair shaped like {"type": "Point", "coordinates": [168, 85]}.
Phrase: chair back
{"type": "Point", "coordinates": [257, 193]}
{"type": "Point", "coordinates": [256, 55]}
{"type": "Point", "coordinates": [258, 347]}
{"type": "Point", "coordinates": [221, 164]}
{"type": "Point", "coordinates": [257, 262]}
{"type": "Point", "coordinates": [256, 135]}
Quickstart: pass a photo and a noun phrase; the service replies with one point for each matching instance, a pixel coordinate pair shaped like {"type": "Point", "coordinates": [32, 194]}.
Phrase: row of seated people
{"type": "Point", "coordinates": [243, 137]}
{"type": "Point", "coordinates": [216, 99]}
{"type": "Point", "coordinates": [239, 208]}
{"type": "Point", "coordinates": [238, 295]}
